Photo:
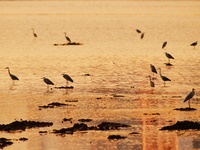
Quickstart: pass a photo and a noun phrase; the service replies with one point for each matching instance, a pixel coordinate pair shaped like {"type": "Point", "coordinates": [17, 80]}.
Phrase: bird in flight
{"type": "Point", "coordinates": [164, 44]}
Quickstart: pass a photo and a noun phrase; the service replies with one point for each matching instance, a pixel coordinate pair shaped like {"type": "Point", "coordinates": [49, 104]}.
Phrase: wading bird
{"type": "Point", "coordinates": [138, 31]}
{"type": "Point", "coordinates": [67, 38]}
{"type": "Point", "coordinates": [194, 44]}
{"type": "Point", "coordinates": [48, 82]}
{"type": "Point", "coordinates": [151, 82]}
{"type": "Point", "coordinates": [164, 44]}
{"type": "Point", "coordinates": [34, 34]}
{"type": "Point", "coordinates": [142, 35]}
{"type": "Point", "coordinates": [190, 96]}
{"type": "Point", "coordinates": [13, 77]}
{"type": "Point", "coordinates": [169, 57]}
{"type": "Point", "coordinates": [67, 78]}
{"type": "Point", "coordinates": [163, 77]}
{"type": "Point", "coordinates": [153, 69]}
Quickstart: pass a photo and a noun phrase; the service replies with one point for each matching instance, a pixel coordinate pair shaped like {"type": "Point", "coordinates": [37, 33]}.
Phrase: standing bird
{"type": "Point", "coordinates": [153, 69]}
{"type": "Point", "coordinates": [163, 77]}
{"type": "Point", "coordinates": [138, 31]}
{"type": "Point", "coordinates": [34, 34]}
{"type": "Point", "coordinates": [67, 38]}
{"type": "Point", "coordinates": [164, 44]}
{"type": "Point", "coordinates": [151, 82]}
{"type": "Point", "coordinates": [12, 76]}
{"type": "Point", "coordinates": [142, 35]}
{"type": "Point", "coordinates": [194, 44]}
{"type": "Point", "coordinates": [189, 96]}
{"type": "Point", "coordinates": [48, 82]}
{"type": "Point", "coordinates": [67, 77]}
{"type": "Point", "coordinates": [169, 57]}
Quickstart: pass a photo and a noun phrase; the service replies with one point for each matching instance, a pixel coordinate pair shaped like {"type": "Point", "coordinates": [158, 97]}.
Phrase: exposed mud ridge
{"type": "Point", "coordinates": [64, 87]}
{"type": "Point", "coordinates": [116, 137]}
{"type": "Point", "coordinates": [70, 43]}
{"type": "Point", "coordinates": [84, 127]}
{"type": "Point", "coordinates": [71, 101]}
{"type": "Point", "coordinates": [183, 125]}
{"type": "Point", "coordinates": [53, 105]}
{"type": "Point", "coordinates": [185, 109]}
{"type": "Point", "coordinates": [23, 125]}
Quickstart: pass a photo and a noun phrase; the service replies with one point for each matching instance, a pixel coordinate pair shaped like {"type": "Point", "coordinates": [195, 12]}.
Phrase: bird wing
{"type": "Point", "coordinates": [153, 69]}
{"type": "Point", "coordinates": [67, 77]}
{"type": "Point", "coordinates": [47, 81]}
{"type": "Point", "coordinates": [165, 78]}
{"type": "Point", "coordinates": [189, 96]}
{"type": "Point", "coordinates": [13, 77]}
{"type": "Point", "coordinates": [142, 36]}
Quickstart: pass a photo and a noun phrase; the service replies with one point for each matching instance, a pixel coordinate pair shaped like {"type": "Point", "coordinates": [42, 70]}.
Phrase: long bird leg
{"type": "Point", "coordinates": [189, 103]}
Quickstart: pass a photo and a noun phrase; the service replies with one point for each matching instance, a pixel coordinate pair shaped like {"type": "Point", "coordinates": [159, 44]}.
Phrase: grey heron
{"type": "Point", "coordinates": [67, 38]}
{"type": "Point", "coordinates": [164, 78]}
{"type": "Point", "coordinates": [153, 69]}
{"type": "Point", "coordinates": [189, 96]}
{"type": "Point", "coordinates": [67, 78]}
{"type": "Point", "coordinates": [12, 76]}
{"type": "Point", "coordinates": [151, 82]}
{"type": "Point", "coordinates": [194, 44]}
{"type": "Point", "coordinates": [169, 56]}
{"type": "Point", "coordinates": [48, 82]}
{"type": "Point", "coordinates": [34, 34]}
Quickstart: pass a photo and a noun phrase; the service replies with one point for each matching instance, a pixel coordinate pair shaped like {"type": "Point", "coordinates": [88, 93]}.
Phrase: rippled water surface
{"type": "Point", "coordinates": [118, 63]}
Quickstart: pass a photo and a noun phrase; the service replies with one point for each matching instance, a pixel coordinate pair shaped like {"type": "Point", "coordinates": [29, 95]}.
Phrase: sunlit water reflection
{"type": "Point", "coordinates": [117, 61]}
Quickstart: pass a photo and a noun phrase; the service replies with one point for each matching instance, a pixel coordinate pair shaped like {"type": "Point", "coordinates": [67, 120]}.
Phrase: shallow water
{"type": "Point", "coordinates": [118, 61]}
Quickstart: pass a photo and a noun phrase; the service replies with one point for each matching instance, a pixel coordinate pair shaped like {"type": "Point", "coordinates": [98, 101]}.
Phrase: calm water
{"type": "Point", "coordinates": [118, 62]}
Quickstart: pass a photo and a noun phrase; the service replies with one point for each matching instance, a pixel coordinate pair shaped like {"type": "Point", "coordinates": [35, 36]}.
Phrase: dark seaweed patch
{"type": "Point", "coordinates": [183, 125]}
{"type": "Point", "coordinates": [116, 137]}
{"type": "Point", "coordinates": [85, 120]}
{"type": "Point", "coordinates": [53, 105]}
{"type": "Point", "coordinates": [64, 87]}
{"type": "Point", "coordinates": [84, 127]}
{"type": "Point", "coordinates": [23, 125]}
{"type": "Point", "coordinates": [185, 109]}
{"type": "Point", "coordinates": [5, 142]}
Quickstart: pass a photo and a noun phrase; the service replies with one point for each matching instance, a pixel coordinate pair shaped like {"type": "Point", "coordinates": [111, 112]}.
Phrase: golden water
{"type": "Point", "coordinates": [119, 62]}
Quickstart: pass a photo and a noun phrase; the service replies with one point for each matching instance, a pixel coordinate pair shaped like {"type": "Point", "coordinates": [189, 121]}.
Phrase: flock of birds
{"type": "Point", "coordinates": [164, 78]}
{"type": "Point", "coordinates": [152, 67]}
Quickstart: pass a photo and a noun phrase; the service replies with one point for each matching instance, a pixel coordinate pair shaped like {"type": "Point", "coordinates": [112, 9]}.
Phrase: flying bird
{"type": "Point", "coordinates": [67, 38]}
{"type": "Point", "coordinates": [138, 31]}
{"type": "Point", "coordinates": [12, 76]}
{"type": "Point", "coordinates": [164, 44]}
{"type": "Point", "coordinates": [34, 34]}
{"type": "Point", "coordinates": [190, 96]}
{"type": "Point", "coordinates": [153, 69]}
{"type": "Point", "coordinates": [169, 56]}
{"type": "Point", "coordinates": [67, 78]}
{"type": "Point", "coordinates": [164, 78]}
{"type": "Point", "coordinates": [194, 44]}
{"type": "Point", "coordinates": [142, 35]}
{"type": "Point", "coordinates": [48, 82]}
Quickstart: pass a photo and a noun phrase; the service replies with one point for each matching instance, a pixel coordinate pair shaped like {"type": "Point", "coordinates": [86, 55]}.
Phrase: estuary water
{"type": "Point", "coordinates": [109, 70]}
